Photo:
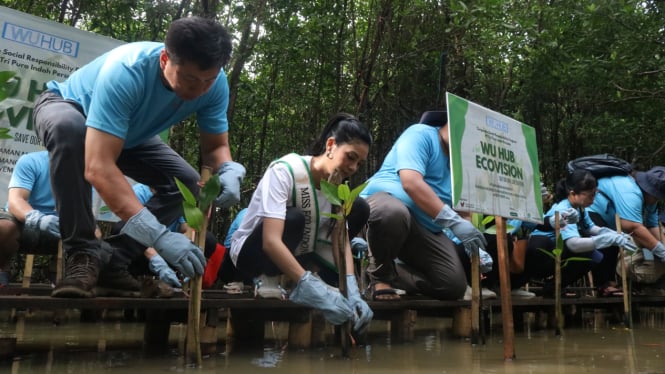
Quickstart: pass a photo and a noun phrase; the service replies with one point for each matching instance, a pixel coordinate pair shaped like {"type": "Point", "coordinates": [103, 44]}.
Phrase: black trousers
{"type": "Point", "coordinates": [60, 124]}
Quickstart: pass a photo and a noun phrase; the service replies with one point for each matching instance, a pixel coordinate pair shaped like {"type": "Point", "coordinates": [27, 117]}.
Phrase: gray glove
{"type": "Point", "coordinates": [159, 267]}
{"type": "Point", "coordinates": [40, 222]}
{"type": "Point", "coordinates": [313, 292]}
{"type": "Point", "coordinates": [470, 237]}
{"type": "Point", "coordinates": [566, 217]}
{"type": "Point", "coordinates": [362, 313]}
{"type": "Point", "coordinates": [230, 174]}
{"type": "Point", "coordinates": [659, 251]}
{"type": "Point", "coordinates": [609, 239]}
{"type": "Point", "coordinates": [176, 249]}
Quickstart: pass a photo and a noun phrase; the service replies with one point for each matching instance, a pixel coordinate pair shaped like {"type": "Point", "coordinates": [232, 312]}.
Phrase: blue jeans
{"type": "Point", "coordinates": [60, 124]}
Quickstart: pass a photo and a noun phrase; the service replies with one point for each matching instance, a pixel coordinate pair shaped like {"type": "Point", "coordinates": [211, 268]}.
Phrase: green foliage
{"type": "Point", "coordinates": [588, 76]}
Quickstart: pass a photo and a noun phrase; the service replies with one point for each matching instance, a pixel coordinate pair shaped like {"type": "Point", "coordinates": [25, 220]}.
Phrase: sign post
{"type": "Point", "coordinates": [494, 164]}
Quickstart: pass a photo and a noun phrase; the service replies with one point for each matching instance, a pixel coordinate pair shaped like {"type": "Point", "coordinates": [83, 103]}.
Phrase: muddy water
{"type": "Point", "coordinates": [598, 346]}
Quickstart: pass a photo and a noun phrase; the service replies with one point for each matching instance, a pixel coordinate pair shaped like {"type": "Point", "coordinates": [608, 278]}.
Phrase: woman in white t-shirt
{"type": "Point", "coordinates": [284, 227]}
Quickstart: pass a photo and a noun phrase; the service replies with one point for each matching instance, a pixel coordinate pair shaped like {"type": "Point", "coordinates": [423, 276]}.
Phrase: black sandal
{"type": "Point", "coordinates": [379, 295]}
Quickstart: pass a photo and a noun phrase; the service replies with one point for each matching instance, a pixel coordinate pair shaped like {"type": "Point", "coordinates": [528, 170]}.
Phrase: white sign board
{"type": "Point", "coordinates": [494, 161]}
{"type": "Point", "coordinates": [38, 51]}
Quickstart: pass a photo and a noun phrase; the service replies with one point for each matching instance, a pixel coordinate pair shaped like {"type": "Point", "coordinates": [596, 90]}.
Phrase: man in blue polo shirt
{"type": "Point", "coordinates": [103, 122]}
{"type": "Point", "coordinates": [410, 204]}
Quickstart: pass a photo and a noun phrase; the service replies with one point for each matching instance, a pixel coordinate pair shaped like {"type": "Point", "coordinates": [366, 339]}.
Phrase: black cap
{"type": "Point", "coordinates": [652, 181]}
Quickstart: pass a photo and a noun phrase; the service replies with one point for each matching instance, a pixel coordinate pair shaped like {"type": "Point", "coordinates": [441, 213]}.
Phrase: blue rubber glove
{"type": "Point", "coordinates": [313, 292]}
{"type": "Point", "coordinates": [176, 249]}
{"type": "Point", "coordinates": [159, 267]}
{"type": "Point", "coordinates": [659, 251]}
{"type": "Point", "coordinates": [40, 222]}
{"type": "Point", "coordinates": [230, 174]}
{"type": "Point", "coordinates": [486, 261]}
{"type": "Point", "coordinates": [464, 230]}
{"type": "Point", "coordinates": [566, 217]}
{"type": "Point", "coordinates": [363, 314]}
{"type": "Point", "coordinates": [609, 239]}
{"type": "Point", "coordinates": [358, 247]}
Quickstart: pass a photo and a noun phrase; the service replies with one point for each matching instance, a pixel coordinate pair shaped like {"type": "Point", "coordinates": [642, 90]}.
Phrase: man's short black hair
{"type": "Point", "coordinates": [199, 40]}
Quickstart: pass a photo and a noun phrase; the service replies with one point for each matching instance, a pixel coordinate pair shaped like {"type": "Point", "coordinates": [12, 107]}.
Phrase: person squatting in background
{"type": "Point", "coordinates": [582, 240]}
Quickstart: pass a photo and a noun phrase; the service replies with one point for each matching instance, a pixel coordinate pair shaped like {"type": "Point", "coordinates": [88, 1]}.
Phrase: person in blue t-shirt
{"type": "Point", "coordinates": [582, 239]}
{"type": "Point", "coordinates": [30, 222]}
{"type": "Point", "coordinates": [102, 123]}
{"type": "Point", "coordinates": [410, 204]}
{"type": "Point", "coordinates": [634, 199]}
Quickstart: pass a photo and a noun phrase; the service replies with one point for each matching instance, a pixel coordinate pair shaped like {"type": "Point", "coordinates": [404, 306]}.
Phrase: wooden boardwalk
{"type": "Point", "coordinates": [242, 314]}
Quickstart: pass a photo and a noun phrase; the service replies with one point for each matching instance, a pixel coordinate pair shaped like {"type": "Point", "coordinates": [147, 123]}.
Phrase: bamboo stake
{"type": "Point", "coordinates": [628, 320]}
{"type": "Point", "coordinates": [506, 299]}
{"type": "Point", "coordinates": [193, 347]}
{"type": "Point", "coordinates": [339, 252]}
{"type": "Point", "coordinates": [475, 298]}
{"type": "Point", "coordinates": [558, 313]}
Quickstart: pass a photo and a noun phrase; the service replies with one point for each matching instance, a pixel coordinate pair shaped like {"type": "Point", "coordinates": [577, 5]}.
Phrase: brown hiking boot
{"type": "Point", "coordinates": [118, 282]}
{"type": "Point", "coordinates": [81, 272]}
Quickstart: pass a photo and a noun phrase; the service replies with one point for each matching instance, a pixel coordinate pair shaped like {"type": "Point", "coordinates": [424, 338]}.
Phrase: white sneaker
{"type": "Point", "coordinates": [484, 292]}
{"type": "Point", "coordinates": [234, 288]}
{"type": "Point", "coordinates": [267, 287]}
{"type": "Point", "coordinates": [522, 294]}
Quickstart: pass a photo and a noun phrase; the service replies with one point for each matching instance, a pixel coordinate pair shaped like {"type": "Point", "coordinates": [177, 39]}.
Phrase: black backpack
{"type": "Point", "coordinates": [601, 166]}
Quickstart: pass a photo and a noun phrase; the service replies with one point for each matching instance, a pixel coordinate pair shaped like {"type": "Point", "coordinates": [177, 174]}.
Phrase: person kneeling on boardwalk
{"type": "Point", "coordinates": [410, 205]}
{"type": "Point", "coordinates": [30, 222]}
{"type": "Point", "coordinates": [583, 239]}
{"type": "Point", "coordinates": [284, 226]}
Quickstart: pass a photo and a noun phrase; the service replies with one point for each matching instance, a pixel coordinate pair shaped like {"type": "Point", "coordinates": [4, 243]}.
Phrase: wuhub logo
{"type": "Point", "coordinates": [39, 39]}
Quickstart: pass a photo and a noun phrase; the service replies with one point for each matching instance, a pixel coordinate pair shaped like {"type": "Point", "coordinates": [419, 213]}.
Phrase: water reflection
{"type": "Point", "coordinates": [598, 346]}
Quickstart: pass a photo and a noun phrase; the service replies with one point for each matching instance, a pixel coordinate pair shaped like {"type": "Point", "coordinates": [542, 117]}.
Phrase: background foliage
{"type": "Point", "coordinates": [589, 76]}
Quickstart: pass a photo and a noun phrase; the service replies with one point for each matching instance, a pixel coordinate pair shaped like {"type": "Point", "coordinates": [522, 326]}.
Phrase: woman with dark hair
{"type": "Point", "coordinates": [582, 239]}
{"type": "Point", "coordinates": [284, 227]}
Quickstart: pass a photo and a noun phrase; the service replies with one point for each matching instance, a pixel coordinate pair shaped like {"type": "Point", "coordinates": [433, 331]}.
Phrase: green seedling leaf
{"type": "Point", "coordinates": [557, 252]}
{"type": "Point", "coordinates": [486, 220]}
{"type": "Point", "coordinates": [330, 192]}
{"type": "Point", "coordinates": [343, 192]}
{"type": "Point", "coordinates": [193, 216]}
{"type": "Point", "coordinates": [209, 193]}
{"type": "Point", "coordinates": [477, 220]}
{"type": "Point", "coordinates": [545, 251]}
{"type": "Point", "coordinates": [186, 194]}
{"type": "Point", "coordinates": [348, 204]}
